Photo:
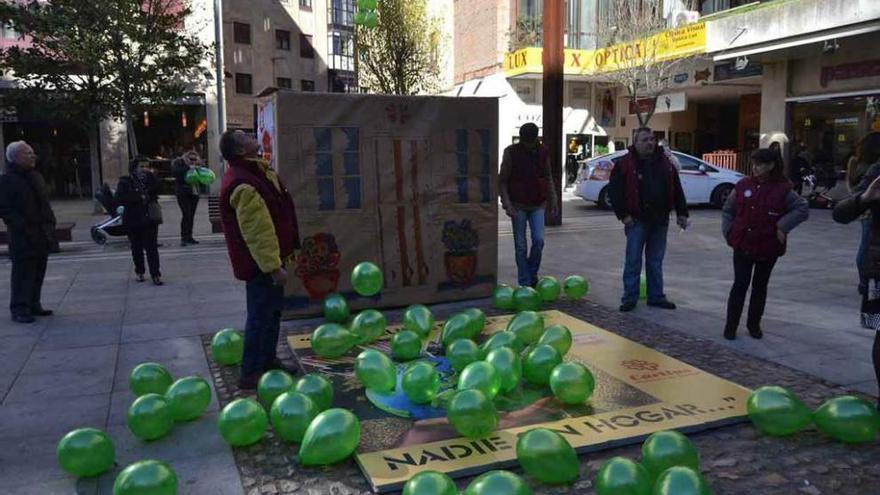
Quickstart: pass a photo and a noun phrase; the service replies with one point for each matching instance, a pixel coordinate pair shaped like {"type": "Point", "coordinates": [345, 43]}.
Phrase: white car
{"type": "Point", "coordinates": [703, 183]}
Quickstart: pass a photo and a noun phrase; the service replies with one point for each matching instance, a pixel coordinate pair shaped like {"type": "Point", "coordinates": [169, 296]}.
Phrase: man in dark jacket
{"type": "Point", "coordinates": [644, 187]}
{"type": "Point", "coordinates": [30, 222]}
{"type": "Point", "coordinates": [187, 195]}
{"type": "Point", "coordinates": [259, 223]}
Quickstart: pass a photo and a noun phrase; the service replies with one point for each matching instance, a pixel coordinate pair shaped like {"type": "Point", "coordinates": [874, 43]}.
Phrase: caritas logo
{"type": "Point", "coordinates": [647, 371]}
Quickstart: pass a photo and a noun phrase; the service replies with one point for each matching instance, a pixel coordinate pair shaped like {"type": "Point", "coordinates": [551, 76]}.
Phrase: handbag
{"type": "Point", "coordinates": [154, 212]}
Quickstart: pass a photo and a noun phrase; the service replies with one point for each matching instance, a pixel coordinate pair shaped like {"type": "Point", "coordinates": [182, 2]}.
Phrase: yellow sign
{"type": "Point", "coordinates": [668, 45]}
{"type": "Point", "coordinates": [638, 391]}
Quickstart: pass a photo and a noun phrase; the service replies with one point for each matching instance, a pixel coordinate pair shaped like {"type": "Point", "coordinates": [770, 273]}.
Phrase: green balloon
{"type": "Point", "coordinates": [146, 478]}
{"type": "Point", "coordinates": [368, 326]}
{"type": "Point", "coordinates": [360, 18]}
{"type": "Point", "coordinates": [527, 326]}
{"type": "Point", "coordinates": [370, 4]}
{"type": "Point", "coordinates": [471, 413]}
{"type": "Point", "coordinates": [335, 309]}
{"type": "Point", "coordinates": [86, 452]}
{"type": "Point", "coordinates": [507, 365]}
{"type": "Point", "coordinates": [547, 456]}
{"type": "Point", "coordinates": [497, 483]}
{"type": "Point", "coordinates": [332, 340]}
{"type": "Point", "coordinates": [406, 345]}
{"type": "Point", "coordinates": [188, 398]}
{"type": "Point", "coordinates": [457, 327]}
{"type": "Point", "coordinates": [206, 176]}
{"type": "Point", "coordinates": [463, 352]}
{"type": "Point", "coordinates": [576, 287]}
{"type": "Point", "coordinates": [375, 371]}
{"type": "Point", "coordinates": [192, 177]}
{"type": "Point", "coordinates": [291, 414]}
{"type": "Point", "coordinates": [848, 419]}
{"type": "Point", "coordinates": [482, 376]}
{"type": "Point", "coordinates": [149, 417]}
{"type": "Point", "coordinates": [681, 480]}
{"type": "Point", "coordinates": [776, 411]}
{"type": "Point", "coordinates": [539, 364]}
{"type": "Point", "coordinates": [665, 449]}
{"type": "Point", "coordinates": [371, 20]}
{"type": "Point", "coordinates": [317, 388]}
{"type": "Point", "coordinates": [572, 383]}
{"type": "Point", "coordinates": [548, 288]}
{"type": "Point", "coordinates": [227, 347]}
{"type": "Point", "coordinates": [621, 476]}
{"type": "Point", "coordinates": [477, 321]}
{"type": "Point", "coordinates": [526, 299]}
{"type": "Point", "coordinates": [419, 319]}
{"type": "Point", "coordinates": [558, 336]}
{"type": "Point", "coordinates": [420, 382]}
{"type": "Point", "coordinates": [149, 378]}
{"type": "Point", "coordinates": [502, 297]}
{"type": "Point", "coordinates": [366, 278]}
{"type": "Point", "coordinates": [643, 287]}
{"type": "Point", "coordinates": [272, 384]}
{"type": "Point", "coordinates": [331, 437]}
{"type": "Point", "coordinates": [430, 483]}
{"type": "Point", "coordinates": [502, 339]}
{"type": "Point", "coordinates": [242, 422]}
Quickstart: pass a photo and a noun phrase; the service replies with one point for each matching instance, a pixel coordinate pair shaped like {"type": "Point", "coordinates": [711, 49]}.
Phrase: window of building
{"type": "Point", "coordinates": [305, 4]}
{"type": "Point", "coordinates": [712, 6]}
{"type": "Point", "coordinates": [282, 39]}
{"type": "Point", "coordinates": [284, 82]}
{"type": "Point", "coordinates": [467, 151]}
{"type": "Point", "coordinates": [306, 50]}
{"type": "Point", "coordinates": [244, 84]}
{"type": "Point", "coordinates": [241, 33]}
{"type": "Point", "coordinates": [340, 47]}
{"type": "Point", "coordinates": [341, 12]}
{"type": "Point", "coordinates": [338, 177]}
{"type": "Point", "coordinates": [306, 85]}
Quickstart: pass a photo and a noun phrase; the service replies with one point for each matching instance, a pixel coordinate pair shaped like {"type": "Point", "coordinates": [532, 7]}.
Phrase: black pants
{"type": "Point", "coordinates": [144, 238]}
{"type": "Point", "coordinates": [264, 304]}
{"type": "Point", "coordinates": [188, 204]}
{"type": "Point", "coordinates": [28, 273]}
{"type": "Point", "coordinates": [748, 271]}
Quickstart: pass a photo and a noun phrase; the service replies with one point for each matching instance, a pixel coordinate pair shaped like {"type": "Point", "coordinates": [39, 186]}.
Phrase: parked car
{"type": "Point", "coordinates": [703, 183]}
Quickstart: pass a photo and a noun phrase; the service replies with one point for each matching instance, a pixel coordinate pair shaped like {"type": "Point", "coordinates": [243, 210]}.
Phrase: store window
{"type": "Point", "coordinates": [306, 85]}
{"type": "Point", "coordinates": [282, 39]}
{"type": "Point", "coordinates": [284, 83]}
{"type": "Point", "coordinates": [244, 84]}
{"type": "Point", "coordinates": [241, 33]}
{"type": "Point", "coordinates": [306, 50]}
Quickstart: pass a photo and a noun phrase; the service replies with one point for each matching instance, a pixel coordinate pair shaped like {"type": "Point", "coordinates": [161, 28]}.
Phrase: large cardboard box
{"type": "Point", "coordinates": [409, 183]}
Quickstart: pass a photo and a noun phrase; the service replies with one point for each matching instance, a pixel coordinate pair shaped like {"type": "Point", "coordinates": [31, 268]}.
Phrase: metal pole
{"type": "Point", "coordinates": [218, 64]}
{"type": "Point", "coordinates": [554, 59]}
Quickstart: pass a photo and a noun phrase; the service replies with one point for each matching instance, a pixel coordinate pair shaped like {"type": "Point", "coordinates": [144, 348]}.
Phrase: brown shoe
{"type": "Point", "coordinates": [248, 382]}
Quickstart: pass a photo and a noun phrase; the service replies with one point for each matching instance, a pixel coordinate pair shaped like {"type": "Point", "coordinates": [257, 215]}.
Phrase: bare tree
{"type": "Point", "coordinates": [634, 51]}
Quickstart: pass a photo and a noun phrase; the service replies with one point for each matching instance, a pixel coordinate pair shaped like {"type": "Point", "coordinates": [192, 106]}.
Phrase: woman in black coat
{"type": "Point", "coordinates": [866, 196]}
{"type": "Point", "coordinates": [139, 194]}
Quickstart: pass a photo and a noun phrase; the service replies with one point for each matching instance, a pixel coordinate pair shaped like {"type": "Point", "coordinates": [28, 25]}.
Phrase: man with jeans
{"type": "Point", "coordinates": [259, 223]}
{"type": "Point", "coordinates": [526, 188]}
{"type": "Point", "coordinates": [644, 188]}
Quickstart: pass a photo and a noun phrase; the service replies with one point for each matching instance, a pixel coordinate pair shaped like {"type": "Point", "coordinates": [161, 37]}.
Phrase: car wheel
{"type": "Point", "coordinates": [604, 201]}
{"type": "Point", "coordinates": [720, 195]}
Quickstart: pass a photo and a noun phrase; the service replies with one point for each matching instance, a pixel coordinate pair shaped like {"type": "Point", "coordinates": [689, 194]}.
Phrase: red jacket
{"type": "Point", "coordinates": [759, 206]}
{"type": "Point", "coordinates": [628, 169]}
{"type": "Point", "coordinates": [527, 185]}
{"type": "Point", "coordinates": [278, 202]}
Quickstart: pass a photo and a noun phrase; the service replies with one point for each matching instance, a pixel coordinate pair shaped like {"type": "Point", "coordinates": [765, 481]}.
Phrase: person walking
{"type": "Point", "coordinates": [187, 195]}
{"type": "Point", "coordinates": [261, 231]}
{"type": "Point", "coordinates": [138, 193]}
{"type": "Point", "coordinates": [30, 225]}
{"type": "Point", "coordinates": [526, 188]}
{"type": "Point", "coordinates": [866, 197]}
{"type": "Point", "coordinates": [855, 171]}
{"type": "Point", "coordinates": [644, 188]}
{"type": "Point", "coordinates": [756, 220]}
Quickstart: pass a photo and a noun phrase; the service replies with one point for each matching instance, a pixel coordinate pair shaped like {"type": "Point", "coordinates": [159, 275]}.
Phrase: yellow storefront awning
{"type": "Point", "coordinates": [667, 45]}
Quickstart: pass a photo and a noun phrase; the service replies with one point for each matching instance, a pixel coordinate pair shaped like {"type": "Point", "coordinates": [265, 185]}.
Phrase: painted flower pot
{"type": "Point", "coordinates": [460, 268]}
{"type": "Point", "coordinates": [320, 284]}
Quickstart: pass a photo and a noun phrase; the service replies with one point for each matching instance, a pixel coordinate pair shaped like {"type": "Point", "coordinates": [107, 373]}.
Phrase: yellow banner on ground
{"type": "Point", "coordinates": [667, 45]}
{"type": "Point", "coordinates": [638, 391]}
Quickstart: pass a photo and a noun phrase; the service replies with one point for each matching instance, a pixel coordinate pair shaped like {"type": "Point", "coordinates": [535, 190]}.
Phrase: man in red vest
{"type": "Point", "coordinates": [526, 187]}
{"type": "Point", "coordinates": [644, 187]}
{"type": "Point", "coordinates": [259, 222]}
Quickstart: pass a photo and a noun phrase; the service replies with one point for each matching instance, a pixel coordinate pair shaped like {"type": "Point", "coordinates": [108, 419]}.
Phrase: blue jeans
{"type": "Point", "coordinates": [264, 302]}
{"type": "Point", "coordinates": [650, 239]}
{"type": "Point", "coordinates": [528, 262]}
{"type": "Point", "coordinates": [860, 257]}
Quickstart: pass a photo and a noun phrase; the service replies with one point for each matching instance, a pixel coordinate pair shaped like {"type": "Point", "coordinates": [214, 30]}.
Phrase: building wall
{"type": "Point", "coordinates": [444, 12]}
{"type": "Point", "coordinates": [262, 60]}
{"type": "Point", "coordinates": [480, 37]}
{"type": "Point", "coordinates": [854, 67]}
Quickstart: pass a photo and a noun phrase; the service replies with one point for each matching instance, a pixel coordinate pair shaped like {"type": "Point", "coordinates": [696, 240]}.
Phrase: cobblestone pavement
{"type": "Point", "coordinates": [734, 459]}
